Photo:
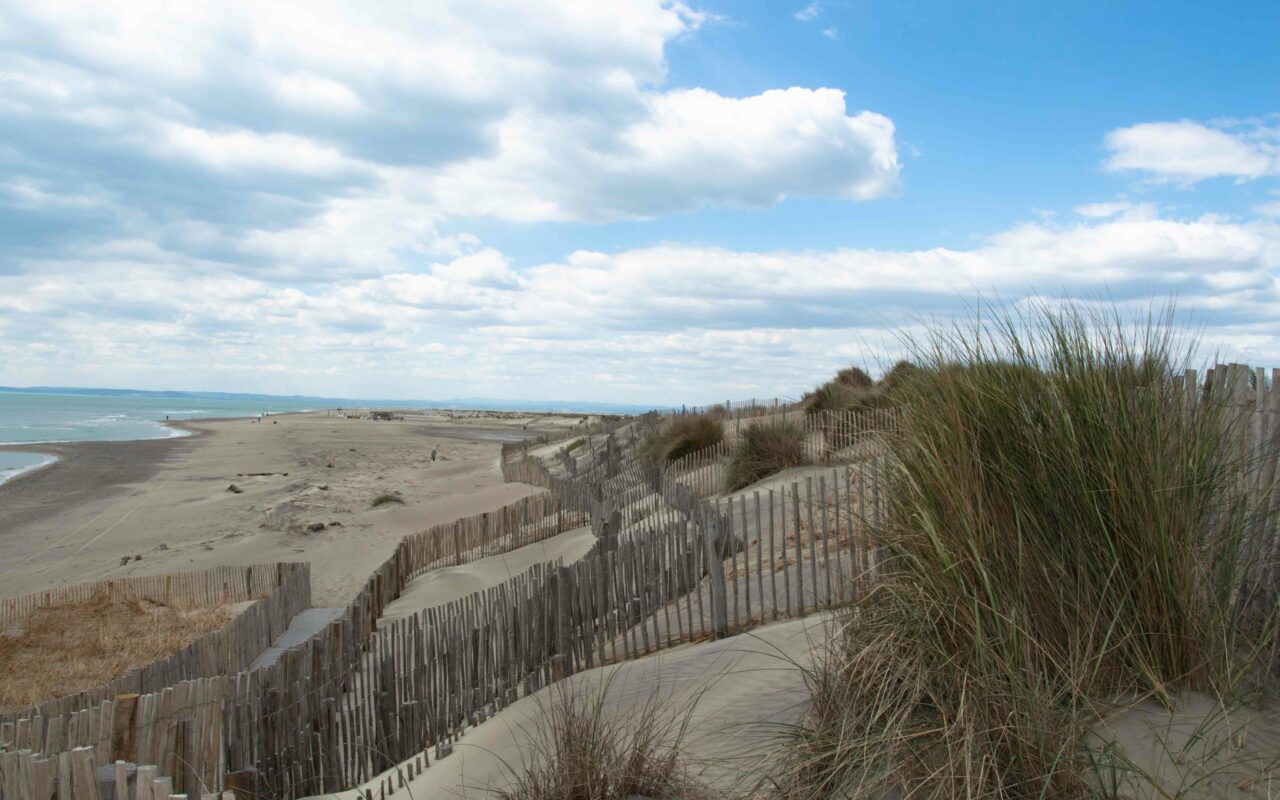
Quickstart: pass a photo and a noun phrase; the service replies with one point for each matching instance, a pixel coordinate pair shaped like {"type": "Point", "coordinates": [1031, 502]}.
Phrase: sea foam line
{"type": "Point", "coordinates": [9, 473]}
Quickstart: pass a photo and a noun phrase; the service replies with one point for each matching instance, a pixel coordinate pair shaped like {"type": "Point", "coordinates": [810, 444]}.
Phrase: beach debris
{"type": "Point", "coordinates": [124, 560]}
{"type": "Point", "coordinates": [138, 557]}
{"type": "Point", "coordinates": [315, 527]}
{"type": "Point", "coordinates": [235, 489]}
{"type": "Point", "coordinates": [329, 465]}
{"type": "Point", "coordinates": [259, 474]}
{"type": "Point", "coordinates": [335, 524]}
{"type": "Point", "coordinates": [162, 546]}
{"type": "Point", "coordinates": [324, 487]}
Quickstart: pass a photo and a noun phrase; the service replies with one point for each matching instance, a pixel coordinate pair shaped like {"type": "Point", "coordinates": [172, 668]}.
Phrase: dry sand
{"type": "Point", "coordinates": [444, 585]}
{"type": "Point", "coordinates": [168, 500]}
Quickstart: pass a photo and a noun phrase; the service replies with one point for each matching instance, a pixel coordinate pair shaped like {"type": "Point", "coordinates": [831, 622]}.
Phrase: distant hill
{"type": "Point", "coordinates": [469, 403]}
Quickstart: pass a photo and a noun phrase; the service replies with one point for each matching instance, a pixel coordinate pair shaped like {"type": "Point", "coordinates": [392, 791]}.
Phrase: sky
{"type": "Point", "coordinates": [637, 201]}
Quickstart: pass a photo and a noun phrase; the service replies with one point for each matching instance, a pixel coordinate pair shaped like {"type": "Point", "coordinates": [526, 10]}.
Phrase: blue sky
{"type": "Point", "coordinates": [633, 201]}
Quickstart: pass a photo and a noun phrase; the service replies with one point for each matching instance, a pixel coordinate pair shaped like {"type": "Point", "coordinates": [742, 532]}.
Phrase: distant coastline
{"type": "Point", "coordinates": [318, 403]}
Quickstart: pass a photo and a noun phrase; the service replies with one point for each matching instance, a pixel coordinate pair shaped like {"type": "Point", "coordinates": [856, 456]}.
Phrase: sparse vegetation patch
{"type": "Point", "coordinates": [385, 498]}
{"type": "Point", "coordinates": [581, 752]}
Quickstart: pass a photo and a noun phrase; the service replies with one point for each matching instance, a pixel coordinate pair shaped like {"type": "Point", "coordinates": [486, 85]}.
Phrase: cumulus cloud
{"type": "Point", "coordinates": [683, 149]}
{"type": "Point", "coordinates": [636, 325]}
{"type": "Point", "coordinates": [1187, 151]}
{"type": "Point", "coordinates": [282, 129]}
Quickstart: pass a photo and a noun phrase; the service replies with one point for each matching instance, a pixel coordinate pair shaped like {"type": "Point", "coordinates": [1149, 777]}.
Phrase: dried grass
{"type": "Point", "coordinates": [62, 650]}
{"type": "Point", "coordinates": [582, 752]}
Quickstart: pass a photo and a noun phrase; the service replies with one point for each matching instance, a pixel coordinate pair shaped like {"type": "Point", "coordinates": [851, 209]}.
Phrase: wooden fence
{"type": "Point", "coordinates": [180, 589]}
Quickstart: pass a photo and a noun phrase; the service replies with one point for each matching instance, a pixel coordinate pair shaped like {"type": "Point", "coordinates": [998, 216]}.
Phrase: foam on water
{"type": "Point", "coordinates": [29, 418]}
{"type": "Point", "coordinates": [14, 464]}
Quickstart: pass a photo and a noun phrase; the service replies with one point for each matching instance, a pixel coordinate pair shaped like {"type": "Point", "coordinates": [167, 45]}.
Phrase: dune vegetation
{"type": "Point", "coordinates": [1064, 529]}
{"type": "Point", "coordinates": [763, 449]}
{"type": "Point", "coordinates": [580, 751]}
{"type": "Point", "coordinates": [685, 434]}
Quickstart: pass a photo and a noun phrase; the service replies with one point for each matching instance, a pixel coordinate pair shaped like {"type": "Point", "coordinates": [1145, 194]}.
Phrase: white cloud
{"type": "Point", "coordinates": [1271, 208]}
{"type": "Point", "coordinates": [636, 325]}
{"type": "Point", "coordinates": [685, 149]}
{"type": "Point", "coordinates": [831, 33]}
{"type": "Point", "coordinates": [1121, 208]}
{"type": "Point", "coordinates": [438, 107]}
{"type": "Point", "coordinates": [1187, 152]}
{"type": "Point", "coordinates": [809, 12]}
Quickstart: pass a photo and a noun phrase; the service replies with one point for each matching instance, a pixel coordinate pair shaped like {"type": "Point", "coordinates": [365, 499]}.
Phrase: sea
{"type": "Point", "coordinates": [27, 417]}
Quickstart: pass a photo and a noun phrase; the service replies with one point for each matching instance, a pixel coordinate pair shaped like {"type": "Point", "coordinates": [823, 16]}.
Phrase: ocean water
{"type": "Point", "coordinates": [34, 418]}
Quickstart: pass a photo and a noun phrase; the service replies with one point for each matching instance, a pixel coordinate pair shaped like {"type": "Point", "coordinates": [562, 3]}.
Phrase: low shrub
{"type": "Point", "coordinates": [764, 448]}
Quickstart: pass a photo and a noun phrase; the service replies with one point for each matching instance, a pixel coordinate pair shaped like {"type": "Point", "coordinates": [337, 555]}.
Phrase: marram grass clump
{"type": "Point", "coordinates": [581, 751]}
{"type": "Point", "coordinates": [853, 390]}
{"type": "Point", "coordinates": [385, 498]}
{"type": "Point", "coordinates": [1064, 528]}
{"type": "Point", "coordinates": [684, 434]}
{"type": "Point", "coordinates": [764, 448]}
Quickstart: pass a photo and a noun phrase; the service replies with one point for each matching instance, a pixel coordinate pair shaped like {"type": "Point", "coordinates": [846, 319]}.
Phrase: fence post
{"type": "Point", "coordinates": [124, 732]}
{"type": "Point", "coordinates": [715, 572]}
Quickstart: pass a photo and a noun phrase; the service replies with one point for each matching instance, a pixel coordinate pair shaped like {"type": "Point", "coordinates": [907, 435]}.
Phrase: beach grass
{"type": "Point", "coordinates": [684, 434]}
{"type": "Point", "coordinates": [580, 751]}
{"type": "Point", "coordinates": [386, 498]}
{"type": "Point", "coordinates": [763, 449]}
{"type": "Point", "coordinates": [850, 390]}
{"type": "Point", "coordinates": [1063, 529]}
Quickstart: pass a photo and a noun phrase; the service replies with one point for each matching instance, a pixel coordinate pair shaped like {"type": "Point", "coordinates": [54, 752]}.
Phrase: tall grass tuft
{"type": "Point", "coordinates": [580, 751]}
{"type": "Point", "coordinates": [684, 434]}
{"type": "Point", "coordinates": [763, 449]}
{"type": "Point", "coordinates": [1064, 527]}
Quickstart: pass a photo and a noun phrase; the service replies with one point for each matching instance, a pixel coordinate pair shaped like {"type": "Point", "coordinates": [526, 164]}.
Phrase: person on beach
{"type": "Point", "coordinates": [433, 452]}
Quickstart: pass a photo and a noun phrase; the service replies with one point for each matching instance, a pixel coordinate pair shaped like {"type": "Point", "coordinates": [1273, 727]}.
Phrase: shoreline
{"type": "Point", "coordinates": [78, 473]}
{"type": "Point", "coordinates": [62, 450]}
{"type": "Point", "coordinates": [238, 492]}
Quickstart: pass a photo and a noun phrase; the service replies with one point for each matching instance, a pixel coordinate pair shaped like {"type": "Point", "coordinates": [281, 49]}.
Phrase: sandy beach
{"type": "Point", "coordinates": [169, 502]}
